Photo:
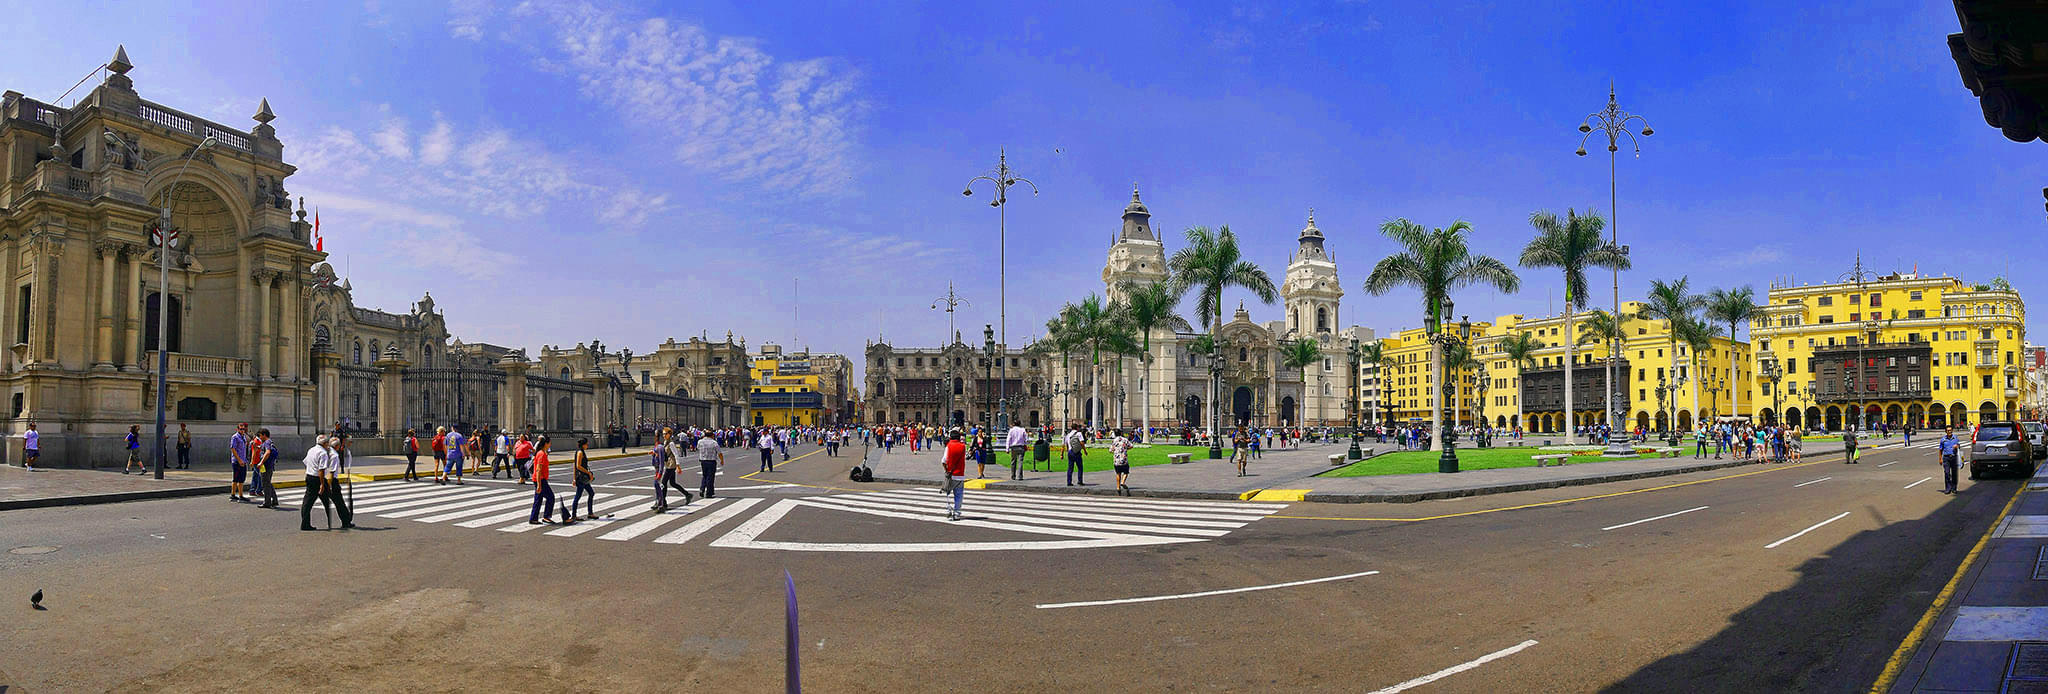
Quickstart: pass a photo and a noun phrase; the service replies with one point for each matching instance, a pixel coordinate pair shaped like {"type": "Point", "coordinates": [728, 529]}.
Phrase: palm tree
{"type": "Point", "coordinates": [1698, 337]}
{"type": "Point", "coordinates": [1151, 306]}
{"type": "Point", "coordinates": [1672, 302]}
{"type": "Point", "coordinates": [1434, 262]}
{"type": "Point", "coordinates": [1520, 349]}
{"type": "Point", "coordinates": [1374, 352]}
{"type": "Point", "coordinates": [1098, 327]}
{"type": "Point", "coordinates": [1059, 337]}
{"type": "Point", "coordinates": [1734, 307]}
{"type": "Point", "coordinates": [1572, 245]}
{"type": "Point", "coordinates": [1297, 354]}
{"type": "Point", "coordinates": [1601, 326]}
{"type": "Point", "coordinates": [1211, 263]}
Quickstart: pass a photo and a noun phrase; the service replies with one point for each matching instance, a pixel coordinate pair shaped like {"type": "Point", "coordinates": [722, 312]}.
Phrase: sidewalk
{"type": "Point", "coordinates": [65, 487]}
{"type": "Point", "coordinates": [1290, 475]}
{"type": "Point", "coordinates": [1991, 634]}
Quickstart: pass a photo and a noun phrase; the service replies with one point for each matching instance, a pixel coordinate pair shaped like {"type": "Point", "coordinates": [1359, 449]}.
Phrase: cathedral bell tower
{"type": "Point", "coordinates": [1137, 255]}
{"type": "Point", "coordinates": [1312, 291]}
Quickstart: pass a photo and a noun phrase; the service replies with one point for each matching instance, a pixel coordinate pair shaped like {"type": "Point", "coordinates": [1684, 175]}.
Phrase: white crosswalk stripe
{"type": "Point", "coordinates": [1070, 521]}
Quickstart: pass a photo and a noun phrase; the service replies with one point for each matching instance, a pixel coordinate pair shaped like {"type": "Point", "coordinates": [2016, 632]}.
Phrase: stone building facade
{"type": "Point", "coordinates": [955, 384]}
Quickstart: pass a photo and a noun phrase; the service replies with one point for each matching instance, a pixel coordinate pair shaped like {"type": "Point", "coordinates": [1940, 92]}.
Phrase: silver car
{"type": "Point", "coordinates": [2037, 435]}
{"type": "Point", "coordinates": [2000, 446]}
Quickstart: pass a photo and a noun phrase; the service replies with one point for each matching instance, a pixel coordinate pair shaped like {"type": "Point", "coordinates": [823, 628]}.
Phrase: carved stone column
{"type": "Point", "coordinates": [512, 395]}
{"type": "Point", "coordinates": [263, 278]}
{"type": "Point", "coordinates": [327, 393]}
{"type": "Point", "coordinates": [138, 310]}
{"type": "Point", "coordinates": [103, 335]}
{"type": "Point", "coordinates": [600, 393]}
{"type": "Point", "coordinates": [391, 397]}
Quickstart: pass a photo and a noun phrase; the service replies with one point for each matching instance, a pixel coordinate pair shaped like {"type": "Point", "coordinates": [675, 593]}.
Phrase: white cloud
{"type": "Point", "coordinates": [404, 236]}
{"type": "Point", "coordinates": [631, 208]}
{"type": "Point", "coordinates": [391, 140]}
{"type": "Point", "coordinates": [725, 106]}
{"type": "Point", "coordinates": [437, 144]}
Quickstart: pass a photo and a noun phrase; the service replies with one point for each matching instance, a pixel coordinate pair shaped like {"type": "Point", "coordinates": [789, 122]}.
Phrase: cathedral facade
{"type": "Point", "coordinates": [1171, 384]}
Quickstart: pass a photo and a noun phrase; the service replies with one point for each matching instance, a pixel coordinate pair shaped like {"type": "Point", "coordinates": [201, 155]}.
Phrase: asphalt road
{"type": "Point", "coordinates": [202, 594]}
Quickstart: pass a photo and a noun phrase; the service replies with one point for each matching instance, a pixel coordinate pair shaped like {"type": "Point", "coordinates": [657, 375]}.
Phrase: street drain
{"type": "Point", "coordinates": [2029, 669]}
{"type": "Point", "coordinates": [33, 549]}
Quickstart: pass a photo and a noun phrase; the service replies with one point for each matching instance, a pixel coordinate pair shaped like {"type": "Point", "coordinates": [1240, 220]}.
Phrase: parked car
{"type": "Point", "coordinates": [2037, 437]}
{"type": "Point", "coordinates": [2001, 445]}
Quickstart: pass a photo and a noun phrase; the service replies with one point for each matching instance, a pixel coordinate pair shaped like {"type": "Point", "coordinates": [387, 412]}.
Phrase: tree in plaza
{"type": "Point", "coordinates": [1059, 339]}
{"type": "Point", "coordinates": [1211, 263]}
{"type": "Point", "coordinates": [1298, 354]}
{"type": "Point", "coordinates": [1571, 245]}
{"type": "Point", "coordinates": [1734, 307]}
{"type": "Point", "coordinates": [1374, 352]}
{"type": "Point", "coordinates": [1434, 262]}
{"type": "Point", "coordinates": [1698, 337]}
{"type": "Point", "coordinates": [1612, 330]}
{"type": "Point", "coordinates": [1672, 302]}
{"type": "Point", "coordinates": [1151, 306]}
{"type": "Point", "coordinates": [1097, 327]}
{"type": "Point", "coordinates": [1459, 361]}
{"type": "Point", "coordinates": [1520, 349]}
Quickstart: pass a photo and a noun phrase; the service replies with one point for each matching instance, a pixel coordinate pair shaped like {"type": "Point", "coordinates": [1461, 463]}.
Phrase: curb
{"type": "Point", "coordinates": [113, 497]}
{"type": "Point", "coordinates": [1082, 491]}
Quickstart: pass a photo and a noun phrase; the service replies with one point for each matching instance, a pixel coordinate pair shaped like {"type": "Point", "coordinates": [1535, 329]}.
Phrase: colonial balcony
{"type": "Point", "coordinates": [202, 366]}
{"type": "Point", "coordinates": [1870, 396]}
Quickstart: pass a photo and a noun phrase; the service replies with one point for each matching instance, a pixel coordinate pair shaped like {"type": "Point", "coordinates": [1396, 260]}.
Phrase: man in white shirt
{"type": "Point", "coordinates": [322, 470]}
{"type": "Point", "coordinates": [767, 445]}
{"type": "Point", "coordinates": [1077, 442]}
{"type": "Point", "coordinates": [710, 459]}
{"type": "Point", "coordinates": [501, 454]}
{"type": "Point", "coordinates": [1017, 442]}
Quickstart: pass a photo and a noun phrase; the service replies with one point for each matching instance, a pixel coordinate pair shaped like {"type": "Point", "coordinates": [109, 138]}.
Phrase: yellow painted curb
{"type": "Point", "coordinates": [980, 484]}
{"type": "Point", "coordinates": [1279, 495]}
{"type": "Point", "coordinates": [1247, 496]}
{"type": "Point", "coordinates": [1896, 664]}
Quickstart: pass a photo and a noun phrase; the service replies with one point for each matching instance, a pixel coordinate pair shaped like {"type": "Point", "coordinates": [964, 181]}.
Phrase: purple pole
{"type": "Point", "coordinates": [791, 679]}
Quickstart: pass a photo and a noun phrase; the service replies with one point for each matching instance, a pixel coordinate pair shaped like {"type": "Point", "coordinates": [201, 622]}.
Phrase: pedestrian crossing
{"type": "Point", "coordinates": [1076, 522]}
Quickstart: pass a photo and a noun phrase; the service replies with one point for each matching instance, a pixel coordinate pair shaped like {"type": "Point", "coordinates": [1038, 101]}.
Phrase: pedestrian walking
{"type": "Point", "coordinates": [458, 446]}
{"type": "Point", "coordinates": [956, 472]}
{"type": "Point", "coordinates": [672, 462]}
{"type": "Point", "coordinates": [583, 477]}
{"type": "Point", "coordinates": [322, 467]}
{"type": "Point", "coordinates": [31, 447]}
{"type": "Point", "coordinates": [1120, 461]}
{"type": "Point", "coordinates": [184, 447]}
{"type": "Point", "coordinates": [238, 462]}
{"type": "Point", "coordinates": [475, 450]}
{"type": "Point", "coordinates": [1699, 449]}
{"type": "Point", "coordinates": [522, 456]}
{"type": "Point", "coordinates": [440, 448]}
{"type": "Point", "coordinates": [1950, 461]}
{"type": "Point", "coordinates": [1017, 440]}
{"type": "Point", "coordinates": [412, 455]}
{"type": "Point", "coordinates": [501, 453]}
{"type": "Point", "coordinates": [1239, 449]}
{"type": "Point", "coordinates": [263, 459]}
{"type": "Point", "coordinates": [1077, 444]}
{"type": "Point", "coordinates": [134, 442]}
{"type": "Point", "coordinates": [1849, 446]}
{"type": "Point", "coordinates": [709, 459]}
{"type": "Point", "coordinates": [542, 493]}
{"type": "Point", "coordinates": [766, 442]}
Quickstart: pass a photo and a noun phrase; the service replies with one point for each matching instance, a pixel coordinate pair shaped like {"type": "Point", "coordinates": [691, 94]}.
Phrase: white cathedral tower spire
{"type": "Point", "coordinates": [1312, 291]}
{"type": "Point", "coordinates": [1137, 255]}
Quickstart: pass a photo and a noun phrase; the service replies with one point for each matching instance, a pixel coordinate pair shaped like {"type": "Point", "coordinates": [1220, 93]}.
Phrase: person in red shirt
{"type": "Point", "coordinates": [440, 445]}
{"type": "Point", "coordinates": [956, 471]}
{"type": "Point", "coordinates": [541, 490]}
{"type": "Point", "coordinates": [412, 455]}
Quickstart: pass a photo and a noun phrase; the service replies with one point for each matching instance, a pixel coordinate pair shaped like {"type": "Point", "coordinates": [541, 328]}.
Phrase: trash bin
{"type": "Point", "coordinates": [1040, 452]}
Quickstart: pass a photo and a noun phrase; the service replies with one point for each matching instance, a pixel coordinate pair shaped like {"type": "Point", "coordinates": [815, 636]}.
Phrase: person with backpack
{"type": "Point", "coordinates": [1849, 446]}
{"type": "Point", "coordinates": [501, 453]}
{"type": "Point", "coordinates": [412, 456]}
{"type": "Point", "coordinates": [583, 488]}
{"type": "Point", "coordinates": [1077, 443]}
{"type": "Point", "coordinates": [522, 457]}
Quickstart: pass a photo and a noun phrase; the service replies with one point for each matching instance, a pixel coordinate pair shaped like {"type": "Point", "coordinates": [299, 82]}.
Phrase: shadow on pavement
{"type": "Point", "coordinates": [1833, 630]}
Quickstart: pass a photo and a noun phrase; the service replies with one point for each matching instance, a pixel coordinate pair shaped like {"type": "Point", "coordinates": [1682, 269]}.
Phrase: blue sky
{"type": "Point", "coordinates": [560, 171]}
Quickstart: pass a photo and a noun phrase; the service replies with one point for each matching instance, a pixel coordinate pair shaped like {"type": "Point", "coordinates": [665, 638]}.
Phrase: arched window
{"type": "Point", "coordinates": [1243, 354]}
{"type": "Point", "coordinates": [957, 386]}
{"type": "Point", "coordinates": [376, 350]}
{"type": "Point", "coordinates": [682, 362]}
{"type": "Point", "coordinates": [1294, 319]}
{"type": "Point", "coordinates": [355, 352]}
{"type": "Point", "coordinates": [320, 335]}
{"type": "Point", "coordinates": [565, 373]}
{"type": "Point", "coordinates": [1322, 320]}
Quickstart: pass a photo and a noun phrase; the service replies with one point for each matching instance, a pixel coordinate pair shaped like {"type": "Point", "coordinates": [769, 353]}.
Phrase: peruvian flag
{"type": "Point", "coordinates": [319, 244]}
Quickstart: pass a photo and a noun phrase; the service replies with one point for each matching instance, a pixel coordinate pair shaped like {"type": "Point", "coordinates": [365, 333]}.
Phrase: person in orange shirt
{"type": "Point", "coordinates": [956, 471]}
{"type": "Point", "coordinates": [541, 490]}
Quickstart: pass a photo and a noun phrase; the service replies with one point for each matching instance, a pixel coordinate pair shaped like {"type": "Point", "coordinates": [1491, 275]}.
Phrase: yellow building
{"type": "Point", "coordinates": [1900, 348]}
{"type": "Point", "coordinates": [1405, 380]}
{"type": "Point", "coordinates": [1696, 386]}
{"type": "Point", "coordinates": [785, 390]}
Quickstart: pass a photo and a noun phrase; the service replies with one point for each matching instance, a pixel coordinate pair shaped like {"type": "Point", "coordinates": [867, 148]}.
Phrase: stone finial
{"type": "Point", "coordinates": [120, 65]}
{"type": "Point", "coordinates": [263, 114]}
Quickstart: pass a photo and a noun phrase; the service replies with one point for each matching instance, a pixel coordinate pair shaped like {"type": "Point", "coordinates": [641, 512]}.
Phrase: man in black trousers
{"type": "Point", "coordinates": [322, 470]}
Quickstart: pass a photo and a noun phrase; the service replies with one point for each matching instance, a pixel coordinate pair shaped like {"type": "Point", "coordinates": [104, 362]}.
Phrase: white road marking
{"type": "Point", "coordinates": [1098, 513]}
{"type": "Point", "coordinates": [521, 504]}
{"type": "Point", "coordinates": [683, 534]}
{"type": "Point", "coordinates": [1239, 506]}
{"type": "Point", "coordinates": [1809, 529]}
{"type": "Point", "coordinates": [1802, 484]}
{"type": "Point", "coordinates": [1110, 505]}
{"type": "Point", "coordinates": [395, 503]}
{"type": "Point", "coordinates": [493, 497]}
{"type": "Point", "coordinates": [1662, 517]}
{"type": "Point", "coordinates": [1203, 594]}
{"type": "Point", "coordinates": [1447, 672]}
{"type": "Point", "coordinates": [520, 526]}
{"type": "Point", "coordinates": [1916, 484]}
{"type": "Point", "coordinates": [936, 508]}
{"type": "Point", "coordinates": [1890, 463]}
{"type": "Point", "coordinates": [609, 504]}
{"type": "Point", "coordinates": [643, 525]}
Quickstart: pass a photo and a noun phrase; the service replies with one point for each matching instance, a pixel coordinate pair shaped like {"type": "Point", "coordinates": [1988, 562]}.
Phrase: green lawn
{"type": "Point", "coordinates": [1097, 456]}
{"type": "Point", "coordinates": [1411, 462]}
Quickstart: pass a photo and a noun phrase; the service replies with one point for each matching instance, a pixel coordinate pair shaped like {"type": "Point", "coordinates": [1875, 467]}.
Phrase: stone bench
{"type": "Point", "coordinates": [1666, 452]}
{"type": "Point", "coordinates": [1337, 459]}
{"type": "Point", "coordinates": [1551, 459]}
{"type": "Point", "coordinates": [1178, 458]}
{"type": "Point", "coordinates": [1365, 452]}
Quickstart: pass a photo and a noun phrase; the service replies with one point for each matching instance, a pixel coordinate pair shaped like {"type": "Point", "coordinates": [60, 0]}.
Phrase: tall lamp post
{"type": "Point", "coordinates": [455, 357]}
{"type": "Point", "coordinates": [1351, 404]}
{"type": "Point", "coordinates": [1002, 177]}
{"type": "Point", "coordinates": [1615, 124]}
{"type": "Point", "coordinates": [1448, 462]}
{"type": "Point", "coordinates": [163, 238]}
{"type": "Point", "coordinates": [625, 373]}
{"type": "Point", "coordinates": [1769, 373]}
{"type": "Point", "coordinates": [988, 347]}
{"type": "Point", "coordinates": [1870, 327]}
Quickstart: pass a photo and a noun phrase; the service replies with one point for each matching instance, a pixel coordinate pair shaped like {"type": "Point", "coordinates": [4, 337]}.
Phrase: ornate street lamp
{"type": "Point", "coordinates": [455, 357]}
{"type": "Point", "coordinates": [1003, 177]}
{"type": "Point", "coordinates": [1615, 124]}
{"type": "Point", "coordinates": [1448, 462]}
{"type": "Point", "coordinates": [988, 347]}
{"type": "Point", "coordinates": [1351, 402]}
{"type": "Point", "coordinates": [164, 236]}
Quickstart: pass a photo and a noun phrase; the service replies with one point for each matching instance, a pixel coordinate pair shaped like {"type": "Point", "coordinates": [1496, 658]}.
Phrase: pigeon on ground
{"type": "Point", "coordinates": [36, 601]}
